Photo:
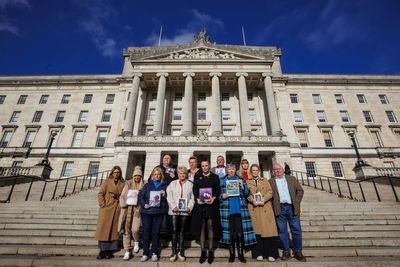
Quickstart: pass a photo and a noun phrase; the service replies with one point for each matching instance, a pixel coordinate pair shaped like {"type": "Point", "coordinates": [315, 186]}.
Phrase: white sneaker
{"type": "Point", "coordinates": [271, 259]}
{"type": "Point", "coordinates": [260, 258]}
{"type": "Point", "coordinates": [181, 258]}
{"type": "Point", "coordinates": [172, 258]}
{"type": "Point", "coordinates": [154, 257]}
{"type": "Point", "coordinates": [144, 258]}
{"type": "Point", "coordinates": [127, 255]}
{"type": "Point", "coordinates": [136, 247]}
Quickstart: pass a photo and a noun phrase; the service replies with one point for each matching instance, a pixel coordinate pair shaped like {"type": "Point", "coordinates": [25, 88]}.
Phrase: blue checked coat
{"type": "Point", "coordinates": [247, 226]}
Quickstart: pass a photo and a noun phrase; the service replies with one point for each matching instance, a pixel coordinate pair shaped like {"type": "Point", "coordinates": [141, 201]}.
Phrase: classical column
{"type": "Point", "coordinates": [159, 116]}
{"type": "Point", "coordinates": [243, 105]}
{"type": "Point", "coordinates": [216, 121]}
{"type": "Point", "coordinates": [187, 110]}
{"type": "Point", "coordinates": [130, 113]}
{"type": "Point", "coordinates": [273, 114]}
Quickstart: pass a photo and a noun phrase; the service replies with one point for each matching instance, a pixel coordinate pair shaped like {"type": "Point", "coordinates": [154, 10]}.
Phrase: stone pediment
{"type": "Point", "coordinates": [203, 52]}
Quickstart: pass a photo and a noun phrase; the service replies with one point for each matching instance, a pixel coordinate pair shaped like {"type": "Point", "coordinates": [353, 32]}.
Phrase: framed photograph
{"type": "Point", "coordinates": [155, 199]}
{"type": "Point", "coordinates": [258, 198]}
{"type": "Point", "coordinates": [205, 194]}
{"type": "Point", "coordinates": [232, 188]}
{"type": "Point", "coordinates": [182, 204]}
{"type": "Point", "coordinates": [132, 199]}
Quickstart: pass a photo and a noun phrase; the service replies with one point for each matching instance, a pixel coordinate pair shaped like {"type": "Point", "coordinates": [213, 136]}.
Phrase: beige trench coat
{"type": "Point", "coordinates": [109, 210]}
{"type": "Point", "coordinates": [263, 217]}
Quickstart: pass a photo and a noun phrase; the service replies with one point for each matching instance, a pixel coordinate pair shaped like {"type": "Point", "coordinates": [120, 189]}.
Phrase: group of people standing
{"type": "Point", "coordinates": [236, 208]}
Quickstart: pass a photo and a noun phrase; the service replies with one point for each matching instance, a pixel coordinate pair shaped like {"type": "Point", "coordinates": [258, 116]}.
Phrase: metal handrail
{"type": "Point", "coordinates": [352, 185]}
{"type": "Point", "coordinates": [58, 183]}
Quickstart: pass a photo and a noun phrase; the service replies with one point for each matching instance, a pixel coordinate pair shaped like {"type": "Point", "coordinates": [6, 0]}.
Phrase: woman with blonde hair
{"type": "Point", "coordinates": [153, 204]}
{"type": "Point", "coordinates": [244, 169]}
{"type": "Point", "coordinates": [262, 216]}
{"type": "Point", "coordinates": [130, 216]}
{"type": "Point", "coordinates": [109, 211]}
{"type": "Point", "coordinates": [180, 201]}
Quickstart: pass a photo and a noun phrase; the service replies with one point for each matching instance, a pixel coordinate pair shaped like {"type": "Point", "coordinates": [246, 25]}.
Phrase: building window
{"type": "Point", "coordinates": [5, 140]}
{"type": "Point", "coordinates": [383, 99]}
{"type": "Point", "coordinates": [83, 115]}
{"type": "Point", "coordinates": [2, 99]}
{"type": "Point", "coordinates": [316, 98]}
{"type": "Point", "coordinates": [16, 164]}
{"type": "Point", "coordinates": [201, 114]}
{"type": "Point", "coordinates": [101, 138]}
{"type": "Point", "coordinates": [252, 115]}
{"type": "Point", "coordinates": [106, 117]}
{"type": "Point", "coordinates": [93, 169]}
{"type": "Point", "coordinates": [388, 164]}
{"type": "Point", "coordinates": [249, 96]}
{"type": "Point", "coordinates": [294, 98]}
{"type": "Point", "coordinates": [178, 96]}
{"type": "Point", "coordinates": [202, 96]}
{"type": "Point", "coordinates": [177, 114]}
{"type": "Point", "coordinates": [368, 116]}
{"type": "Point", "coordinates": [65, 99]}
{"type": "Point", "coordinates": [397, 133]}
{"type": "Point", "coordinates": [298, 117]}
{"type": "Point", "coordinates": [321, 116]}
{"type": "Point", "coordinates": [391, 116]}
{"type": "Point", "coordinates": [30, 136]}
{"type": "Point", "coordinates": [67, 169]}
{"type": "Point", "coordinates": [227, 131]}
{"type": "Point", "coordinates": [337, 169]}
{"type": "Point", "coordinates": [151, 115]}
{"type": "Point", "coordinates": [327, 138]}
{"type": "Point", "coordinates": [77, 139]}
{"type": "Point", "coordinates": [87, 99]}
{"type": "Point", "coordinates": [110, 98]}
{"type": "Point", "coordinates": [225, 97]}
{"type": "Point", "coordinates": [15, 116]}
{"type": "Point", "coordinates": [149, 131]}
{"type": "Point", "coordinates": [37, 116]}
{"type": "Point", "coordinates": [303, 140]}
{"type": "Point", "coordinates": [345, 116]}
{"type": "Point", "coordinates": [226, 114]}
{"type": "Point", "coordinates": [310, 169]}
{"type": "Point", "coordinates": [176, 132]}
{"type": "Point", "coordinates": [43, 99]}
{"type": "Point", "coordinates": [22, 99]}
{"type": "Point", "coordinates": [153, 96]}
{"type": "Point", "coordinates": [361, 99]}
{"type": "Point", "coordinates": [60, 116]}
{"type": "Point", "coordinates": [339, 99]}
{"type": "Point", "coordinates": [376, 138]}
{"type": "Point", "coordinates": [54, 144]}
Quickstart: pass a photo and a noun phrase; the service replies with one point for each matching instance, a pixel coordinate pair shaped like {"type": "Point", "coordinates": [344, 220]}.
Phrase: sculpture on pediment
{"type": "Point", "coordinates": [201, 38]}
{"type": "Point", "coordinates": [201, 54]}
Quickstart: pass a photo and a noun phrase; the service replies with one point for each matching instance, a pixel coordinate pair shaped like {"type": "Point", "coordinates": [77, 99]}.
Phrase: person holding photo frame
{"type": "Point", "coordinates": [153, 204]}
{"type": "Point", "coordinates": [180, 202]}
{"type": "Point", "coordinates": [129, 220]}
{"type": "Point", "coordinates": [237, 227]}
{"type": "Point", "coordinates": [262, 215]}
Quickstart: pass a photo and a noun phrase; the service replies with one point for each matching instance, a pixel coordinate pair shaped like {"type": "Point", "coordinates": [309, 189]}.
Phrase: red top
{"type": "Point", "coordinates": [246, 175]}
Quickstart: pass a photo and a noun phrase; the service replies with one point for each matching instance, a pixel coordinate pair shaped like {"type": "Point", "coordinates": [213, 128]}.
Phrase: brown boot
{"type": "Point", "coordinates": [285, 256]}
{"type": "Point", "coordinates": [299, 256]}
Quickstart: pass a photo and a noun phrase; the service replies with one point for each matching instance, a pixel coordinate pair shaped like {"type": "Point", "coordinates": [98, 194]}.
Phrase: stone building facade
{"type": "Point", "coordinates": [200, 99]}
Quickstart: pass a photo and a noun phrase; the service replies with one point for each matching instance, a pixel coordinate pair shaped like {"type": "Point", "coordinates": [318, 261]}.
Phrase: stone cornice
{"type": "Point", "coordinates": [341, 79]}
{"type": "Point", "coordinates": [59, 79]}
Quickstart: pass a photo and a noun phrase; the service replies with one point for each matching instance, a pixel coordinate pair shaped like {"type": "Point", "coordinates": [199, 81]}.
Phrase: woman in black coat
{"type": "Point", "coordinates": [206, 191]}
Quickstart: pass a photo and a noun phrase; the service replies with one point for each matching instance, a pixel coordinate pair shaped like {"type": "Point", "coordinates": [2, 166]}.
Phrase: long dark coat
{"type": "Point", "coordinates": [109, 210]}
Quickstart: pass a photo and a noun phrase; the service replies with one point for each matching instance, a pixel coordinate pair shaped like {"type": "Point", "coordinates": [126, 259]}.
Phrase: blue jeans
{"type": "Point", "coordinates": [151, 224]}
{"type": "Point", "coordinates": [286, 216]}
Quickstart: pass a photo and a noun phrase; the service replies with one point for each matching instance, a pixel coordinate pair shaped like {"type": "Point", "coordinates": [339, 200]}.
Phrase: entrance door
{"type": "Point", "coordinates": [265, 160]}
{"type": "Point", "coordinates": [136, 158]}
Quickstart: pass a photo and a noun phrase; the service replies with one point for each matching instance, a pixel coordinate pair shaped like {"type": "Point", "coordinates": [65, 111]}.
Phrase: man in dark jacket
{"type": "Point", "coordinates": [287, 196]}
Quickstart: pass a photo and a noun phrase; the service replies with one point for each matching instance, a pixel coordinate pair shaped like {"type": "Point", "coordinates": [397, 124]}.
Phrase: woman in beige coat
{"type": "Point", "coordinates": [262, 216]}
{"type": "Point", "coordinates": [129, 220]}
{"type": "Point", "coordinates": [109, 210]}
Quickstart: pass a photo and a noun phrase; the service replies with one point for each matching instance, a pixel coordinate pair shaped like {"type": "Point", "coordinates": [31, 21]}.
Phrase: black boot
{"type": "Point", "coordinates": [101, 255]}
{"type": "Point", "coordinates": [203, 256]}
{"type": "Point", "coordinates": [210, 257]}
{"type": "Point", "coordinates": [174, 253]}
{"type": "Point", "coordinates": [181, 248]}
{"type": "Point", "coordinates": [232, 249]}
{"type": "Point", "coordinates": [109, 255]}
{"type": "Point", "coordinates": [240, 248]}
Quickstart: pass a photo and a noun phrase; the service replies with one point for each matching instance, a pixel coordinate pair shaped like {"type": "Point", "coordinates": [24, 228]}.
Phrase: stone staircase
{"type": "Point", "coordinates": [336, 232]}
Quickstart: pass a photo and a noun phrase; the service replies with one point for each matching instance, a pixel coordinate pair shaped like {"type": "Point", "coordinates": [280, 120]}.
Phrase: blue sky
{"type": "Point", "coordinates": [87, 36]}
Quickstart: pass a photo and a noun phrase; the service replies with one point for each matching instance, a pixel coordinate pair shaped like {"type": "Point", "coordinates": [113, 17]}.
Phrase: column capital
{"type": "Point", "coordinates": [244, 74]}
{"type": "Point", "coordinates": [188, 74]}
{"type": "Point", "coordinates": [265, 74]}
{"type": "Point", "coordinates": [159, 74]}
{"type": "Point", "coordinates": [136, 74]}
{"type": "Point", "coordinates": [218, 74]}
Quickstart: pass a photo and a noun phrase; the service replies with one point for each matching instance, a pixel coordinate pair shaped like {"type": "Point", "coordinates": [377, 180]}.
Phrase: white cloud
{"type": "Point", "coordinates": [5, 3]}
{"type": "Point", "coordinates": [5, 24]}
